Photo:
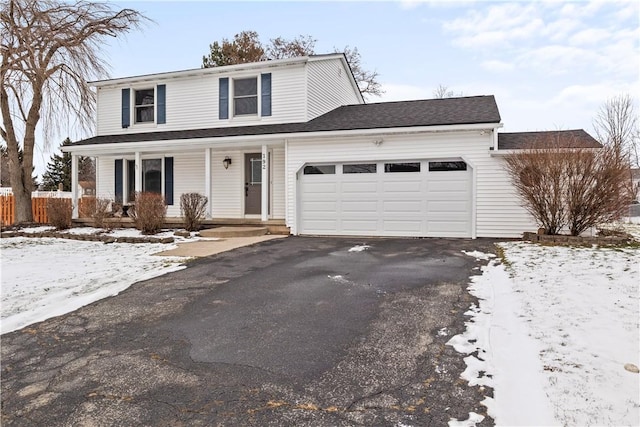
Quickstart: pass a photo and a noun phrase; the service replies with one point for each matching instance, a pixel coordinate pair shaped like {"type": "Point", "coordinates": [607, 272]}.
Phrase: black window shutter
{"type": "Point", "coordinates": [223, 101]}
{"type": "Point", "coordinates": [266, 94]}
{"type": "Point", "coordinates": [168, 180]}
{"type": "Point", "coordinates": [118, 180]}
{"type": "Point", "coordinates": [126, 108]}
{"type": "Point", "coordinates": [161, 93]}
{"type": "Point", "coordinates": [131, 180]}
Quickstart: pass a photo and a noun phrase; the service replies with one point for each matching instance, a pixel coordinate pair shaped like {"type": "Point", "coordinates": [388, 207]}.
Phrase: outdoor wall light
{"type": "Point", "coordinates": [226, 162]}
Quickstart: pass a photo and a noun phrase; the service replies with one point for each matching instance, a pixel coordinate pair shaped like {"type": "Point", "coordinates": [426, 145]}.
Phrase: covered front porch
{"type": "Point", "coordinates": [244, 181]}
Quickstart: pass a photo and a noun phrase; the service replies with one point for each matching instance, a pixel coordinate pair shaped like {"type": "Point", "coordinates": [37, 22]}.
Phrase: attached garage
{"type": "Point", "coordinates": [416, 198]}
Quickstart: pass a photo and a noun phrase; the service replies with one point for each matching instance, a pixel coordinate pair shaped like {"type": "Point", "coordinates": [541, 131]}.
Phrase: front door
{"type": "Point", "coordinates": [253, 184]}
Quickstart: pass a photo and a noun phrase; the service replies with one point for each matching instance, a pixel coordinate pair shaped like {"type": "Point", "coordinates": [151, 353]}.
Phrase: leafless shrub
{"type": "Point", "coordinates": [597, 188]}
{"type": "Point", "coordinates": [148, 212]}
{"type": "Point", "coordinates": [192, 208]}
{"type": "Point", "coordinates": [59, 212]}
{"type": "Point", "coordinates": [97, 209]}
{"type": "Point", "coordinates": [537, 177]}
{"type": "Point", "coordinates": [577, 188]}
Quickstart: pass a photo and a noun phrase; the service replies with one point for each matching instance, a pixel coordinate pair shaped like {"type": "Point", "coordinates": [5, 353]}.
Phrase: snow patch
{"type": "Point", "coordinates": [479, 255]}
{"type": "Point", "coordinates": [469, 422]}
{"type": "Point", "coordinates": [359, 248]}
{"type": "Point", "coordinates": [552, 334]}
{"type": "Point", "coordinates": [47, 277]}
{"type": "Point", "coordinates": [339, 279]}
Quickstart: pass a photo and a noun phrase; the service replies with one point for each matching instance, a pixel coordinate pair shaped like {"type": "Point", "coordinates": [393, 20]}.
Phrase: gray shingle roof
{"type": "Point", "coordinates": [429, 112]}
{"type": "Point", "coordinates": [575, 138]}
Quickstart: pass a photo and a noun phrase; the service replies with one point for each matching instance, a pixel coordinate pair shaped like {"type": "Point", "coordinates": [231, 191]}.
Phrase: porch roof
{"type": "Point", "coordinates": [384, 115]}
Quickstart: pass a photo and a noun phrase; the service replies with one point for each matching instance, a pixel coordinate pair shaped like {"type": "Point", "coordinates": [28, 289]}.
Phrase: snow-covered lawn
{"type": "Point", "coordinates": [46, 277]}
{"type": "Point", "coordinates": [557, 335]}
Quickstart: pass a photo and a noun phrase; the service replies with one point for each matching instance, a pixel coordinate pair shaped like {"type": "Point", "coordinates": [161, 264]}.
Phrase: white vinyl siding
{"type": "Point", "coordinates": [188, 177]}
{"type": "Point", "coordinates": [192, 103]}
{"type": "Point", "coordinates": [498, 211]}
{"type": "Point", "coordinates": [105, 178]}
{"type": "Point", "coordinates": [329, 87]}
{"type": "Point", "coordinates": [227, 185]}
{"type": "Point", "coordinates": [277, 183]}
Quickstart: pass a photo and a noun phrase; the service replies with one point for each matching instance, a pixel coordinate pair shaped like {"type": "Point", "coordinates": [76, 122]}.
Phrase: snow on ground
{"type": "Point", "coordinates": [359, 248]}
{"type": "Point", "coordinates": [555, 328]}
{"type": "Point", "coordinates": [47, 277]}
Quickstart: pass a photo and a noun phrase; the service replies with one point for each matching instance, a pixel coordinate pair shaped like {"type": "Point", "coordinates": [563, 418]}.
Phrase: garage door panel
{"type": "Point", "coordinates": [402, 187]}
{"type": "Point", "coordinates": [321, 187]}
{"type": "Point", "coordinates": [320, 206]}
{"type": "Point", "coordinates": [360, 187]}
{"type": "Point", "coordinates": [395, 225]}
{"type": "Point", "coordinates": [448, 206]}
{"type": "Point", "coordinates": [402, 206]}
{"type": "Point", "coordinates": [360, 206]}
{"type": "Point", "coordinates": [357, 225]}
{"type": "Point", "coordinates": [447, 226]}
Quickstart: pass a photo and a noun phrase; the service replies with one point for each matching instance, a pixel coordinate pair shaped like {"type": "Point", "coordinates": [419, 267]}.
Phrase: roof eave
{"type": "Point", "coordinates": [200, 71]}
{"type": "Point", "coordinates": [201, 143]}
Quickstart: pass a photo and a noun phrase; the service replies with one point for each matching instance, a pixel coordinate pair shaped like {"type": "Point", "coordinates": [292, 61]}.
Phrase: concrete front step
{"type": "Point", "coordinates": [230, 231]}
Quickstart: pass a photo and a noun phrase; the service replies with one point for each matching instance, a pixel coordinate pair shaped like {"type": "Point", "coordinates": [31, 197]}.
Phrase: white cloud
{"type": "Point", "coordinates": [402, 92]}
{"type": "Point", "coordinates": [497, 65]}
{"type": "Point", "coordinates": [589, 36]}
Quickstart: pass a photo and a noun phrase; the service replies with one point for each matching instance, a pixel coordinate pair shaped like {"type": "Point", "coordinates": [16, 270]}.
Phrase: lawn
{"type": "Point", "coordinates": [557, 335]}
{"type": "Point", "coordinates": [47, 277]}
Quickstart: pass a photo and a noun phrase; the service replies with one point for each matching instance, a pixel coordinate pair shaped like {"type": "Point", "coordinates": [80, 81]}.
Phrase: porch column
{"type": "Point", "coordinates": [207, 182]}
{"type": "Point", "coordinates": [74, 185]}
{"type": "Point", "coordinates": [138, 172]}
{"type": "Point", "coordinates": [265, 183]}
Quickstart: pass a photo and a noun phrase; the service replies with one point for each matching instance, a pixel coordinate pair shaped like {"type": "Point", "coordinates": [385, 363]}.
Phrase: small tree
{"type": "Point", "coordinates": [59, 170]}
{"type": "Point", "coordinates": [192, 208]}
{"type": "Point", "coordinates": [59, 212]}
{"type": "Point", "coordinates": [443, 91]}
{"type": "Point", "coordinates": [576, 187]}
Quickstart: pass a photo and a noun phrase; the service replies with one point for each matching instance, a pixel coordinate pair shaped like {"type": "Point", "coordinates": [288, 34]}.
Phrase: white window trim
{"type": "Point", "coordinates": [155, 106]}
{"type": "Point", "coordinates": [232, 98]}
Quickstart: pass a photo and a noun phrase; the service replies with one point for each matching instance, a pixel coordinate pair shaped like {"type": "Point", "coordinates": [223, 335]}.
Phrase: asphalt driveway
{"type": "Point", "coordinates": [296, 331]}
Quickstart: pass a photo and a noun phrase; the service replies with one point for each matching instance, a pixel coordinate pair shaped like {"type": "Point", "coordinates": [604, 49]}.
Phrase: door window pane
{"type": "Point", "coordinates": [359, 168]}
{"type": "Point", "coordinates": [447, 166]}
{"type": "Point", "coordinates": [402, 167]}
{"type": "Point", "coordinates": [320, 170]}
{"type": "Point", "coordinates": [256, 171]}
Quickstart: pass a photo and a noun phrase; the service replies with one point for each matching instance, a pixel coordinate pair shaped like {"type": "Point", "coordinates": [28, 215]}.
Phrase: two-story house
{"type": "Point", "coordinates": [292, 140]}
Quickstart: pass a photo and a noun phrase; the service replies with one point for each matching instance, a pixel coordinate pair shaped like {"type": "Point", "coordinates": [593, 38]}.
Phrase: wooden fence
{"type": "Point", "coordinates": [38, 207]}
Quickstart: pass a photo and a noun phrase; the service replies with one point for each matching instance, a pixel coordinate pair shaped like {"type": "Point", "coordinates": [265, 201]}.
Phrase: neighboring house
{"type": "Point", "coordinates": [292, 141]}
{"type": "Point", "coordinates": [635, 182]}
{"type": "Point", "coordinates": [86, 188]}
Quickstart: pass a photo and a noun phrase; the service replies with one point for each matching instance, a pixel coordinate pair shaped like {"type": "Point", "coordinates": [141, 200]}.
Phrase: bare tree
{"type": "Point", "coordinates": [616, 124]}
{"type": "Point", "coordinates": [247, 47]}
{"type": "Point", "coordinates": [281, 48]}
{"type": "Point", "coordinates": [443, 91]}
{"type": "Point", "coordinates": [49, 49]}
{"type": "Point", "coordinates": [367, 80]}
{"type": "Point", "coordinates": [569, 187]}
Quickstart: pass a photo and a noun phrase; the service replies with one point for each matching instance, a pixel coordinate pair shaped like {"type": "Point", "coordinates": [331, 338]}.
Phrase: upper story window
{"type": "Point", "coordinates": [144, 105]}
{"type": "Point", "coordinates": [245, 96]}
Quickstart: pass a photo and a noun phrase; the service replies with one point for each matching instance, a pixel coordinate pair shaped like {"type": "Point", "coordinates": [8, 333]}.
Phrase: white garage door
{"type": "Point", "coordinates": [413, 198]}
